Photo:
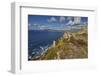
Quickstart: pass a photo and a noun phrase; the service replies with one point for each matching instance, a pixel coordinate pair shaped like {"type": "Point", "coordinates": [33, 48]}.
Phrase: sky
{"type": "Point", "coordinates": [41, 22]}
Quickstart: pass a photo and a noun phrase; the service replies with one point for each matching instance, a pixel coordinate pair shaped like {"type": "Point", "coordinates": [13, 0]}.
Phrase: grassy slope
{"type": "Point", "coordinates": [73, 47]}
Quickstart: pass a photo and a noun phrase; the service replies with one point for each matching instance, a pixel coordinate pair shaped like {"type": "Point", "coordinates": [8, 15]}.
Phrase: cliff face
{"type": "Point", "coordinates": [72, 45]}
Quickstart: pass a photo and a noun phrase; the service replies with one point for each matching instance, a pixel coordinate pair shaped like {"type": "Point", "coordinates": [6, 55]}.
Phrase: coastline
{"type": "Point", "coordinates": [69, 40]}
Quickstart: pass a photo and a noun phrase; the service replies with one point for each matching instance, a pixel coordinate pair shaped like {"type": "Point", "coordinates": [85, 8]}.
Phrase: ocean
{"type": "Point", "coordinates": [39, 40]}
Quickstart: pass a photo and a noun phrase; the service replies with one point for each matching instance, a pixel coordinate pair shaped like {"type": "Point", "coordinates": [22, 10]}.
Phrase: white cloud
{"type": "Point", "coordinates": [70, 22]}
{"type": "Point", "coordinates": [35, 24]}
{"type": "Point", "coordinates": [52, 19]}
{"type": "Point", "coordinates": [69, 18]}
{"type": "Point", "coordinates": [42, 27]}
{"type": "Point", "coordinates": [62, 19]}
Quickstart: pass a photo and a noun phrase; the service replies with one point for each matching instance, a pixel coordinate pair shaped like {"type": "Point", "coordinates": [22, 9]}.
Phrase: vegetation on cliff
{"type": "Point", "coordinates": [71, 46]}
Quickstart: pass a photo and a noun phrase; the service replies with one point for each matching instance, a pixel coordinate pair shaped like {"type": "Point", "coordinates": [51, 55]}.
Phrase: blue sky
{"type": "Point", "coordinates": [37, 22]}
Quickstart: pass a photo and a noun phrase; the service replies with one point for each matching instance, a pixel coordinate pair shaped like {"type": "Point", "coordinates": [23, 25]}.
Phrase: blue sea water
{"type": "Point", "coordinates": [38, 40]}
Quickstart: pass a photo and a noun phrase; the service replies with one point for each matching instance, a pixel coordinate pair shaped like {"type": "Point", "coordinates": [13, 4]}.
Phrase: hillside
{"type": "Point", "coordinates": [71, 46]}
